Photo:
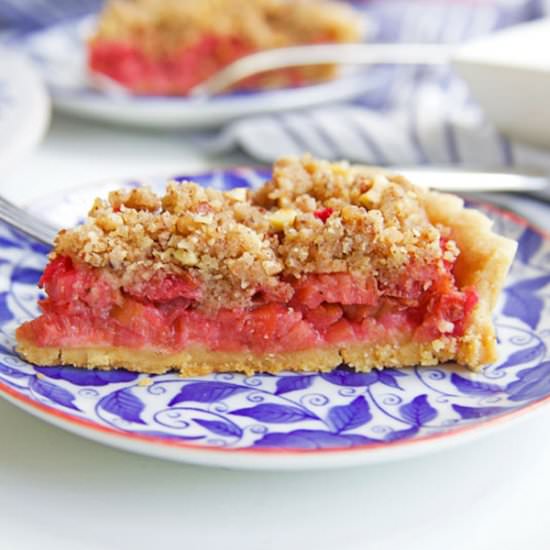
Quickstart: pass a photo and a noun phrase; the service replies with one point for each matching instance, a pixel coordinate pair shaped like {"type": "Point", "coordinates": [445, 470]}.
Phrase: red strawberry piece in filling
{"type": "Point", "coordinates": [323, 214]}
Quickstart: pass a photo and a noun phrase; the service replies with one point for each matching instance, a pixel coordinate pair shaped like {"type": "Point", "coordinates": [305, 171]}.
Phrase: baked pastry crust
{"type": "Point", "coordinates": [483, 265]}
{"type": "Point", "coordinates": [197, 361]}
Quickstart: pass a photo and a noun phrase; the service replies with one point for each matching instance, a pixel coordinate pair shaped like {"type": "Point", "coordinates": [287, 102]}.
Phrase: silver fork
{"type": "Point", "coordinates": [317, 54]}
{"type": "Point", "coordinates": [27, 223]}
{"type": "Point", "coordinates": [320, 54]}
{"type": "Point", "coordinates": [443, 180]}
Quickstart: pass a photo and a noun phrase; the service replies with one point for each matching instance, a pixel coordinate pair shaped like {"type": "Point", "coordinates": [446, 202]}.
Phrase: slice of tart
{"type": "Point", "coordinates": [154, 47]}
{"type": "Point", "coordinates": [324, 264]}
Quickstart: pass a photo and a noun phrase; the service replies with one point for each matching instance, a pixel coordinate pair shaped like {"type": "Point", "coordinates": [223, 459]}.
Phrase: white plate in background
{"type": "Point", "coordinates": [509, 75]}
{"type": "Point", "coordinates": [24, 108]}
{"type": "Point", "coordinates": [59, 53]}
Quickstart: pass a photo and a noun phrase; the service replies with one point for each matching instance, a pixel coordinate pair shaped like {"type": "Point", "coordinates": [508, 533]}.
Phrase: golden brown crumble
{"type": "Point", "coordinates": [159, 28]}
{"type": "Point", "coordinates": [311, 217]}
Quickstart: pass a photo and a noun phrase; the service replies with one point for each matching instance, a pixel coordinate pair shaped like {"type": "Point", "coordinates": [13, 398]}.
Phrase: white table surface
{"type": "Point", "coordinates": [61, 492]}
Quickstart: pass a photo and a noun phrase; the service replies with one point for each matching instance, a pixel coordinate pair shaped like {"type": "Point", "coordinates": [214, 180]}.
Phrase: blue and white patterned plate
{"type": "Point", "coordinates": [59, 54]}
{"type": "Point", "coordinates": [292, 420]}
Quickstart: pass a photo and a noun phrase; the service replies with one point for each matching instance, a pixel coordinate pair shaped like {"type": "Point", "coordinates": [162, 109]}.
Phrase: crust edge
{"type": "Point", "coordinates": [485, 267]}
{"type": "Point", "coordinates": [198, 361]}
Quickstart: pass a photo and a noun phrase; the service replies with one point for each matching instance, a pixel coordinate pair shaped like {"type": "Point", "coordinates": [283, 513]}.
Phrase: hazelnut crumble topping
{"type": "Point", "coordinates": [312, 217]}
{"type": "Point", "coordinates": [160, 28]}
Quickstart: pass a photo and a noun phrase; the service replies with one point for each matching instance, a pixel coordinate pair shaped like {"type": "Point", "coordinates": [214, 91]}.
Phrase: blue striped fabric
{"type": "Point", "coordinates": [26, 15]}
{"type": "Point", "coordinates": [18, 17]}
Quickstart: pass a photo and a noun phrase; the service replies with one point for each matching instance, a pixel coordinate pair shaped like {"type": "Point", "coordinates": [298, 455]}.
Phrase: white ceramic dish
{"type": "Point", "coordinates": [24, 108]}
{"type": "Point", "coordinates": [509, 75]}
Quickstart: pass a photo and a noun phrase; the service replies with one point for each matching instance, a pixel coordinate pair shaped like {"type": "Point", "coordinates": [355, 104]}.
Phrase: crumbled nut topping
{"type": "Point", "coordinates": [161, 27]}
{"type": "Point", "coordinates": [311, 217]}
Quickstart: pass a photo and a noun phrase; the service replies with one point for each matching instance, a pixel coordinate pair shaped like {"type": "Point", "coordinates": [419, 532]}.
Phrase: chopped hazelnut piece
{"type": "Point", "coordinates": [373, 197]}
{"type": "Point", "coordinates": [139, 199]}
{"type": "Point", "coordinates": [109, 222]}
{"type": "Point", "coordinates": [237, 194]}
{"type": "Point", "coordinates": [271, 267]}
{"type": "Point", "coordinates": [282, 218]}
{"type": "Point", "coordinates": [185, 257]}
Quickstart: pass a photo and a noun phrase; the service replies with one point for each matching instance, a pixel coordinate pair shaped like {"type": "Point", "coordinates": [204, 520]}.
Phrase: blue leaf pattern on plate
{"type": "Point", "coordinates": [13, 373]}
{"type": "Point", "coordinates": [526, 307]}
{"type": "Point", "coordinates": [275, 414]}
{"type": "Point", "coordinates": [468, 413]}
{"type": "Point", "coordinates": [8, 243]}
{"type": "Point", "coordinates": [84, 377]}
{"type": "Point", "coordinates": [26, 275]}
{"type": "Point", "coordinates": [348, 417]}
{"type": "Point", "coordinates": [287, 384]}
{"type": "Point", "coordinates": [5, 312]}
{"type": "Point", "coordinates": [532, 383]}
{"type": "Point", "coordinates": [397, 435]}
{"type": "Point", "coordinates": [54, 393]}
{"type": "Point", "coordinates": [287, 411]}
{"type": "Point", "coordinates": [231, 180]}
{"type": "Point", "coordinates": [523, 356]}
{"type": "Point", "coordinates": [125, 404]}
{"type": "Point", "coordinates": [473, 387]}
{"type": "Point", "coordinates": [311, 439]}
{"type": "Point", "coordinates": [399, 373]}
{"type": "Point", "coordinates": [387, 378]}
{"type": "Point", "coordinates": [40, 247]}
{"type": "Point", "coordinates": [418, 412]}
{"type": "Point", "coordinates": [530, 285]}
{"type": "Point", "coordinates": [206, 392]}
{"type": "Point", "coordinates": [528, 245]}
{"type": "Point", "coordinates": [523, 303]}
{"type": "Point", "coordinates": [219, 427]}
{"type": "Point", "coordinates": [345, 376]}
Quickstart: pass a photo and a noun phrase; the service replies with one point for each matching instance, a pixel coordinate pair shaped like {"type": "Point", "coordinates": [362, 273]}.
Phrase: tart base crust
{"type": "Point", "coordinates": [197, 361]}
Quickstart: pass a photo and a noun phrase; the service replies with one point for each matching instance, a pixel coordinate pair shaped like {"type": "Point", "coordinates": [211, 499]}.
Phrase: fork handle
{"type": "Point", "coordinates": [319, 54]}
{"type": "Point", "coordinates": [27, 223]}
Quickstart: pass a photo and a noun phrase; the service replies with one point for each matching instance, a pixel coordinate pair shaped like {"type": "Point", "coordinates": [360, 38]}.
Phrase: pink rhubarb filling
{"type": "Point", "coordinates": [177, 73]}
{"type": "Point", "coordinates": [83, 309]}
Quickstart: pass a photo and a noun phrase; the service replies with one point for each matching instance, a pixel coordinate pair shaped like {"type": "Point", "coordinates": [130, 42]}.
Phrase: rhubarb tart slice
{"type": "Point", "coordinates": [325, 263]}
{"type": "Point", "coordinates": [167, 47]}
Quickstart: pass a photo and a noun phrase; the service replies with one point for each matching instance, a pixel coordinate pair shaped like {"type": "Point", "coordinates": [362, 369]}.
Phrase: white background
{"type": "Point", "coordinates": [61, 492]}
